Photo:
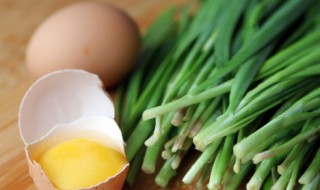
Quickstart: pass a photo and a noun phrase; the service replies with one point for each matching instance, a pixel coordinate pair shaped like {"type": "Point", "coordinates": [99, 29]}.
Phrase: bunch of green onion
{"type": "Point", "coordinates": [239, 82]}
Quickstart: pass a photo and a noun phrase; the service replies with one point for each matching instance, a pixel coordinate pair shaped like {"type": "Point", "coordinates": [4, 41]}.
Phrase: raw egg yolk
{"type": "Point", "coordinates": [80, 163]}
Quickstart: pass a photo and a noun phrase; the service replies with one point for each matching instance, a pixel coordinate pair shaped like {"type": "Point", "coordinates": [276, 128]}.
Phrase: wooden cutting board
{"type": "Point", "coordinates": [18, 20]}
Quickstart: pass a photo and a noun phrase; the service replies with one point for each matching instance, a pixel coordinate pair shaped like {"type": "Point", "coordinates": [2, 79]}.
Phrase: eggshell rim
{"type": "Point", "coordinates": [84, 119]}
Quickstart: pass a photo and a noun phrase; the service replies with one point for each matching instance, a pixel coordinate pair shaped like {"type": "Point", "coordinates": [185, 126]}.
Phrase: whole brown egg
{"type": "Point", "coordinates": [93, 36]}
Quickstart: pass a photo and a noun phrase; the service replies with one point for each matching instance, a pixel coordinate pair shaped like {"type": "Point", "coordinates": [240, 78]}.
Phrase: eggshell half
{"type": "Point", "coordinates": [101, 129]}
{"type": "Point", "coordinates": [61, 97]}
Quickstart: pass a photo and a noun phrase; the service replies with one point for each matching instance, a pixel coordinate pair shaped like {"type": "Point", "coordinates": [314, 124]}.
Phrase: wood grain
{"type": "Point", "coordinates": [18, 20]}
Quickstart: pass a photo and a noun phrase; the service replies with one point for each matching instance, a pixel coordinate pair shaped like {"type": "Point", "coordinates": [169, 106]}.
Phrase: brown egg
{"type": "Point", "coordinates": [92, 36]}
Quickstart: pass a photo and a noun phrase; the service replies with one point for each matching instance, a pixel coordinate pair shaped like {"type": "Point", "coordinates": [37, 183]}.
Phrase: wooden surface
{"type": "Point", "coordinates": [18, 20]}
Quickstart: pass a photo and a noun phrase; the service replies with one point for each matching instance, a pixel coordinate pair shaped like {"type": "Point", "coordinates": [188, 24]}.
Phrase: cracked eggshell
{"type": "Point", "coordinates": [66, 105]}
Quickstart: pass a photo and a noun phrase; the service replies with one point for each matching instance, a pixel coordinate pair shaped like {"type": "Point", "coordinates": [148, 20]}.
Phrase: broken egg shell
{"type": "Point", "coordinates": [100, 129]}
{"type": "Point", "coordinates": [64, 105]}
{"type": "Point", "coordinates": [61, 97]}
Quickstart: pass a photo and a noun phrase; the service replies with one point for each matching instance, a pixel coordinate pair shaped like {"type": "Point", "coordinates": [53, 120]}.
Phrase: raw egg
{"type": "Point", "coordinates": [93, 36]}
{"type": "Point", "coordinates": [80, 163]}
{"type": "Point", "coordinates": [72, 141]}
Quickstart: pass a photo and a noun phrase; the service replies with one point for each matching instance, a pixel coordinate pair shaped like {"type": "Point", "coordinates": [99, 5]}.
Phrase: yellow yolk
{"type": "Point", "coordinates": [80, 163]}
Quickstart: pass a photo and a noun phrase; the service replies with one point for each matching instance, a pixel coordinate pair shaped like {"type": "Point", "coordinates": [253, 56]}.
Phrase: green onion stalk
{"type": "Point", "coordinates": [237, 81]}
